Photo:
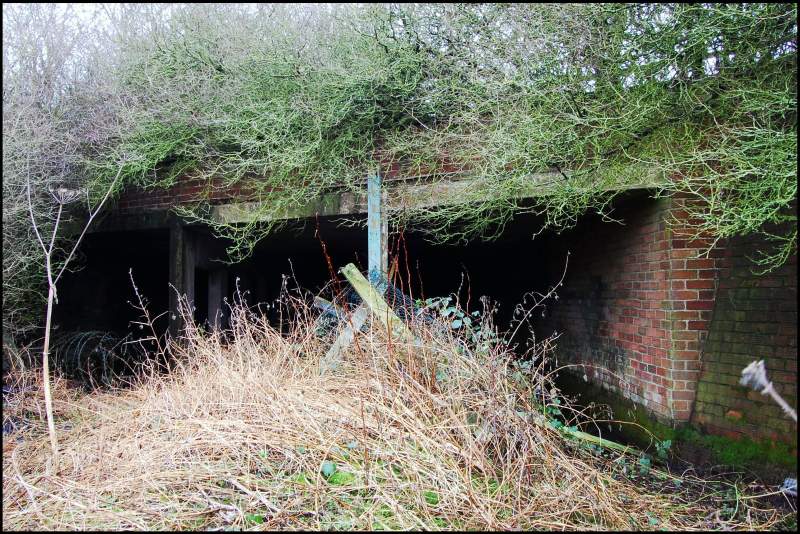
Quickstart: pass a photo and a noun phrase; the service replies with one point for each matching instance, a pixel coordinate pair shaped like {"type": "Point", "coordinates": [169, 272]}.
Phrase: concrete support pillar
{"type": "Point", "coordinates": [182, 260]}
{"type": "Point", "coordinates": [217, 291]}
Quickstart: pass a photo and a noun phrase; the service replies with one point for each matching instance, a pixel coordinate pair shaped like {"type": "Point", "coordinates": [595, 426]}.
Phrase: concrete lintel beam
{"type": "Point", "coordinates": [407, 193]}
{"type": "Point", "coordinates": [401, 195]}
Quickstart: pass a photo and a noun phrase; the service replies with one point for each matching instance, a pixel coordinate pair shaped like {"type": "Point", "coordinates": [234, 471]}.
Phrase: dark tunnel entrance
{"type": "Point", "coordinates": [99, 296]}
{"type": "Point", "coordinates": [503, 269]}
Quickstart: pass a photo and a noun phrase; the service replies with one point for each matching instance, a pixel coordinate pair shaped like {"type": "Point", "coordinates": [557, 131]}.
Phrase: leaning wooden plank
{"type": "Point", "coordinates": [372, 298]}
{"type": "Point", "coordinates": [329, 308]}
{"type": "Point", "coordinates": [540, 420]}
{"type": "Point", "coordinates": [606, 443]}
{"type": "Point", "coordinates": [333, 357]}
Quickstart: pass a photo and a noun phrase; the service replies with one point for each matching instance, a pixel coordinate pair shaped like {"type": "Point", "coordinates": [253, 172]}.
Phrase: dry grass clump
{"type": "Point", "coordinates": [243, 432]}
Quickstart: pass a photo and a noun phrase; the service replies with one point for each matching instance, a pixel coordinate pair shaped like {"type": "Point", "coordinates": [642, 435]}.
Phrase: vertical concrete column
{"type": "Point", "coordinates": [217, 291]}
{"type": "Point", "coordinates": [182, 259]}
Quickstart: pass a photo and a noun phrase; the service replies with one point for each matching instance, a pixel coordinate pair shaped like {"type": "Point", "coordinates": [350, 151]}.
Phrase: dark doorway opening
{"type": "Point", "coordinates": [200, 295]}
{"type": "Point", "coordinates": [100, 295]}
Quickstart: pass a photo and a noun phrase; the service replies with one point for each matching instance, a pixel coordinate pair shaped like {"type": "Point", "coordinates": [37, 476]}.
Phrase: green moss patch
{"type": "Point", "coordinates": [638, 426]}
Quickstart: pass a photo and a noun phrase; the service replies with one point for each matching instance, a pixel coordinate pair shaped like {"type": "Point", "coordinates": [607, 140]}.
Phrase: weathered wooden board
{"type": "Point", "coordinates": [377, 230]}
{"type": "Point", "coordinates": [333, 357]}
{"type": "Point", "coordinates": [330, 308]}
{"type": "Point", "coordinates": [376, 303]}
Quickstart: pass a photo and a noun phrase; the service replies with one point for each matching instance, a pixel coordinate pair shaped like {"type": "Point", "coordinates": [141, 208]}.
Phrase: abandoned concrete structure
{"type": "Point", "coordinates": [647, 317]}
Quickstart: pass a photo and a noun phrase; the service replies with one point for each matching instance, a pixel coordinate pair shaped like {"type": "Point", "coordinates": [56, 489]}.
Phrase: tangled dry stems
{"type": "Point", "coordinates": [243, 432]}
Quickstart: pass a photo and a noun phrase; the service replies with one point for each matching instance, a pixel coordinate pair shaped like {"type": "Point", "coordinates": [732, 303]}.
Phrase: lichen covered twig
{"type": "Point", "coordinates": [755, 377]}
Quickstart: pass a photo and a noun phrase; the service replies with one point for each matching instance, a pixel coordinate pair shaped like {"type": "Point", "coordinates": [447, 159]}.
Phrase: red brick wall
{"type": "Point", "coordinates": [636, 305]}
{"type": "Point", "coordinates": [693, 281]}
{"type": "Point", "coordinates": [185, 191]}
{"type": "Point", "coordinates": [754, 317]}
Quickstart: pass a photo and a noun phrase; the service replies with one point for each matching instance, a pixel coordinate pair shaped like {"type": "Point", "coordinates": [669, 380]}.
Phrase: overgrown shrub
{"type": "Point", "coordinates": [694, 98]}
{"type": "Point", "coordinates": [697, 98]}
{"type": "Point", "coordinates": [244, 432]}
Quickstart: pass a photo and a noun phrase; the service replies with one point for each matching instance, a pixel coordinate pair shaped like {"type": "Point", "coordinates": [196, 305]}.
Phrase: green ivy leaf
{"type": "Point", "coordinates": [254, 518]}
{"type": "Point", "coordinates": [644, 465]}
{"type": "Point", "coordinates": [431, 497]}
{"type": "Point", "coordinates": [341, 478]}
{"type": "Point", "coordinates": [328, 468]}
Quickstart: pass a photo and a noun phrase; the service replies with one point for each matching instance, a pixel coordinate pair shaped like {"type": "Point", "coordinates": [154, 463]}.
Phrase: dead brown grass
{"type": "Point", "coordinates": [244, 433]}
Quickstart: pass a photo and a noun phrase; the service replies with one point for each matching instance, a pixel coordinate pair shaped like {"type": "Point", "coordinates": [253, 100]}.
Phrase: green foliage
{"type": "Point", "coordinates": [473, 327]}
{"type": "Point", "coordinates": [644, 464]}
{"type": "Point", "coordinates": [302, 479]}
{"type": "Point", "coordinates": [254, 518]}
{"type": "Point", "coordinates": [341, 478]}
{"type": "Point", "coordinates": [662, 448]}
{"type": "Point", "coordinates": [696, 98]}
{"type": "Point", "coordinates": [155, 146]}
{"type": "Point", "coordinates": [742, 453]}
{"type": "Point", "coordinates": [431, 497]}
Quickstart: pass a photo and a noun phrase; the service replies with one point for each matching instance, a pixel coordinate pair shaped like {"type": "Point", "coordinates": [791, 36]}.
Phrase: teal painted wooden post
{"type": "Point", "coordinates": [377, 230]}
{"type": "Point", "coordinates": [377, 262]}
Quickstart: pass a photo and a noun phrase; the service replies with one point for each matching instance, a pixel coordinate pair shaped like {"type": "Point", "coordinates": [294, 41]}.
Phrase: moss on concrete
{"type": "Point", "coordinates": [641, 427]}
{"type": "Point", "coordinates": [638, 425]}
{"type": "Point", "coordinates": [740, 453]}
